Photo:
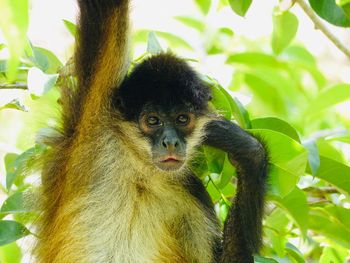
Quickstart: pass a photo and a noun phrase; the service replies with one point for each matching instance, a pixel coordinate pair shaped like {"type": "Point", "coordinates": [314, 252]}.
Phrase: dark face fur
{"type": "Point", "coordinates": [167, 132]}
{"type": "Point", "coordinates": [165, 97]}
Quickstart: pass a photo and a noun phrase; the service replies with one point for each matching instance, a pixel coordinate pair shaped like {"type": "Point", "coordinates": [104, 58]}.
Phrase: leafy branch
{"type": "Point", "coordinates": [23, 86]}
{"type": "Point", "coordinates": [319, 25]}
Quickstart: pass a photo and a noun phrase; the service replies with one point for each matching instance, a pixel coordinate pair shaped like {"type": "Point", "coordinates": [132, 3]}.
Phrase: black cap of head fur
{"type": "Point", "coordinates": [162, 80]}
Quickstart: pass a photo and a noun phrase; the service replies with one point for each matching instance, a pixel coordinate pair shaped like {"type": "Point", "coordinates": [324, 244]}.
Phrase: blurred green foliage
{"type": "Point", "coordinates": [292, 108]}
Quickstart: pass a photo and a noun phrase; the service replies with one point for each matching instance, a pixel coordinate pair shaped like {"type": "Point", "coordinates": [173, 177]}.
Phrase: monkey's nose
{"type": "Point", "coordinates": [170, 143]}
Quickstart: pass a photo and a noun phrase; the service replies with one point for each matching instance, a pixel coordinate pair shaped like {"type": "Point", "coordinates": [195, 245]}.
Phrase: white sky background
{"type": "Point", "coordinates": [47, 30]}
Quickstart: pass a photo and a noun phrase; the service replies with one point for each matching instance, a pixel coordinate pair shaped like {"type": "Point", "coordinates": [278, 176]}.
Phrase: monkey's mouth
{"type": "Point", "coordinates": [171, 159]}
{"type": "Point", "coordinates": [170, 163]}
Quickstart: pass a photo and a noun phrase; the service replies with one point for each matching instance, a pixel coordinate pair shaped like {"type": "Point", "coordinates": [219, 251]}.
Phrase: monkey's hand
{"type": "Point", "coordinates": [244, 150]}
{"type": "Point", "coordinates": [242, 230]}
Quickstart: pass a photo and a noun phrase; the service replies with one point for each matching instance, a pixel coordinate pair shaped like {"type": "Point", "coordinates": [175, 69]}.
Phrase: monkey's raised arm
{"type": "Point", "coordinates": [101, 48]}
{"type": "Point", "coordinates": [243, 227]}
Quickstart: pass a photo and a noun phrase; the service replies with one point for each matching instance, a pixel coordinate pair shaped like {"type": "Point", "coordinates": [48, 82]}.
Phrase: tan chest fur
{"type": "Point", "coordinates": [154, 223]}
{"type": "Point", "coordinates": [131, 214]}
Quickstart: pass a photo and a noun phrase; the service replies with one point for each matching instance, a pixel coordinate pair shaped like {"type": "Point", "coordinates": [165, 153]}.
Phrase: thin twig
{"type": "Point", "coordinates": [321, 192]}
{"type": "Point", "coordinates": [14, 86]}
{"type": "Point", "coordinates": [319, 25]}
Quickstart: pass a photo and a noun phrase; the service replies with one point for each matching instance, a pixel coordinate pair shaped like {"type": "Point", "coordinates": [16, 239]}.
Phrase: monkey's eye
{"type": "Point", "coordinates": [182, 119]}
{"type": "Point", "coordinates": [153, 121]}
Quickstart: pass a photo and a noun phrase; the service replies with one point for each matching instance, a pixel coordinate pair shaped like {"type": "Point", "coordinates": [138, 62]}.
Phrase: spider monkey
{"type": "Point", "coordinates": [117, 185]}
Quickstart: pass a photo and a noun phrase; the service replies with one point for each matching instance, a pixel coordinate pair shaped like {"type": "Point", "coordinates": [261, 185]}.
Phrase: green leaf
{"type": "Point", "coordinates": [10, 253]}
{"type": "Point", "coordinates": [268, 93]}
{"type": "Point", "coordinates": [174, 40]}
{"type": "Point", "coordinates": [17, 165]}
{"type": "Point", "coordinates": [345, 5]}
{"type": "Point", "coordinates": [329, 11]}
{"type": "Point", "coordinates": [295, 203]}
{"type": "Point", "coordinates": [281, 182]}
{"type": "Point", "coordinates": [338, 214]}
{"type": "Point", "coordinates": [314, 158]}
{"type": "Point", "coordinates": [240, 7]}
{"type": "Point", "coordinates": [327, 149]}
{"type": "Point", "coordinates": [295, 253]}
{"type": "Point", "coordinates": [335, 173]}
{"type": "Point", "coordinates": [332, 254]}
{"type": "Point", "coordinates": [227, 172]}
{"type": "Point", "coordinates": [278, 221]}
{"type": "Point", "coordinates": [346, 9]}
{"type": "Point", "coordinates": [10, 231]}
{"type": "Point", "coordinates": [220, 101]}
{"type": "Point", "coordinates": [46, 60]}
{"type": "Point", "coordinates": [300, 54]}
{"type": "Point", "coordinates": [72, 28]}
{"type": "Point", "coordinates": [14, 21]}
{"type": "Point", "coordinates": [14, 204]}
{"type": "Point", "coordinates": [3, 66]}
{"type": "Point", "coordinates": [278, 242]}
{"type": "Point", "coordinates": [285, 26]}
{"type": "Point", "coordinates": [224, 210]}
{"type": "Point", "coordinates": [214, 193]}
{"type": "Point", "coordinates": [343, 137]}
{"type": "Point", "coordinates": [226, 31]}
{"type": "Point", "coordinates": [39, 83]}
{"type": "Point", "coordinates": [342, 2]}
{"type": "Point", "coordinates": [255, 59]}
{"type": "Point", "coordinates": [260, 259]}
{"type": "Point", "coordinates": [153, 45]}
{"type": "Point", "coordinates": [300, 58]}
{"type": "Point", "coordinates": [215, 159]}
{"type": "Point", "coordinates": [276, 229]}
{"type": "Point", "coordinates": [321, 223]}
{"type": "Point", "coordinates": [204, 5]}
{"type": "Point", "coordinates": [238, 111]}
{"type": "Point", "coordinates": [10, 167]}
{"type": "Point", "coordinates": [329, 97]}
{"type": "Point", "coordinates": [14, 104]}
{"type": "Point", "coordinates": [28, 49]}
{"type": "Point", "coordinates": [284, 152]}
{"type": "Point", "coordinates": [276, 124]}
{"type": "Point", "coordinates": [191, 22]}
{"type": "Point", "coordinates": [229, 190]}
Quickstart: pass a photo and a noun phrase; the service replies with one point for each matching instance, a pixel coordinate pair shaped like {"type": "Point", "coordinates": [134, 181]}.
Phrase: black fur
{"type": "Point", "coordinates": [243, 228]}
{"type": "Point", "coordinates": [195, 187]}
{"type": "Point", "coordinates": [162, 80]}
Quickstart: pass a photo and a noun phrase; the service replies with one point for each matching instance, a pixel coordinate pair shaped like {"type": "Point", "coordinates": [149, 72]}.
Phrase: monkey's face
{"type": "Point", "coordinates": [167, 132]}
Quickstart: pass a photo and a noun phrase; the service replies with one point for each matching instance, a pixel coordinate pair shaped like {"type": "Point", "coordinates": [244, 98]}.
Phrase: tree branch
{"type": "Point", "coordinates": [14, 86]}
{"type": "Point", "coordinates": [321, 192]}
{"type": "Point", "coordinates": [319, 25]}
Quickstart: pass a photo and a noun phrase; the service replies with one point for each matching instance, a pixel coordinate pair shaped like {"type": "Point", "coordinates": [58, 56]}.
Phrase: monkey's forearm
{"type": "Point", "coordinates": [242, 231]}
{"type": "Point", "coordinates": [101, 43]}
{"type": "Point", "coordinates": [245, 151]}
